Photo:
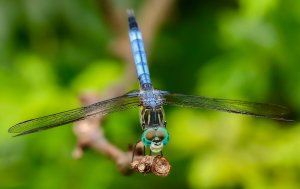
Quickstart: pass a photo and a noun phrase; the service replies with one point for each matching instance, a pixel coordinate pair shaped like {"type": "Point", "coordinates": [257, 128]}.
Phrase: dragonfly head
{"type": "Point", "coordinates": [155, 138]}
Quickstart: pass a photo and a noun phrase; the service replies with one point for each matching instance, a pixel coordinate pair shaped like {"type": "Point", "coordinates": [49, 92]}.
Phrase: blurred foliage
{"type": "Point", "coordinates": [51, 51]}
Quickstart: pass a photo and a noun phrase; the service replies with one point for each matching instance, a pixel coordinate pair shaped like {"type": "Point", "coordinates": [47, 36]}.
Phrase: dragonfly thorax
{"type": "Point", "coordinates": [151, 98]}
{"type": "Point", "coordinates": [152, 117]}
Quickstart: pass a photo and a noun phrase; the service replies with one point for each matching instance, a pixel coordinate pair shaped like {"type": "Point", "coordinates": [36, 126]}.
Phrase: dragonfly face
{"type": "Point", "coordinates": [153, 122]}
{"type": "Point", "coordinates": [155, 138]}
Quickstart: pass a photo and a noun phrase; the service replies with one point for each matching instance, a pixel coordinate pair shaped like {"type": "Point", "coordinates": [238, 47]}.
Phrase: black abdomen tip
{"type": "Point", "coordinates": [131, 19]}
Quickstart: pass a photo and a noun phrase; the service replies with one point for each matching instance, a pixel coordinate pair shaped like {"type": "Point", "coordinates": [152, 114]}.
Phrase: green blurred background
{"type": "Point", "coordinates": [52, 51]}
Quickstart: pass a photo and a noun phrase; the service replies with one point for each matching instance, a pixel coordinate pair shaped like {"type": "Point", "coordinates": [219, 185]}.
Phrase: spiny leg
{"type": "Point", "coordinates": [134, 150]}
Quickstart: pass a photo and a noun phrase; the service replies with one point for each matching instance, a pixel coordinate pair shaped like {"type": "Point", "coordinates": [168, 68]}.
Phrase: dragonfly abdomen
{"type": "Point", "coordinates": [139, 53]}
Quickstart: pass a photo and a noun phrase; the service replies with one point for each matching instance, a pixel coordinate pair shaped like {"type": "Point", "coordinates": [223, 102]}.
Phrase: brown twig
{"type": "Point", "coordinates": [89, 132]}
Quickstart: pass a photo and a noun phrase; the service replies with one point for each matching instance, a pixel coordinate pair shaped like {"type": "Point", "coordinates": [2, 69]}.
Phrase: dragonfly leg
{"type": "Point", "coordinates": [143, 126]}
{"type": "Point", "coordinates": [134, 150]}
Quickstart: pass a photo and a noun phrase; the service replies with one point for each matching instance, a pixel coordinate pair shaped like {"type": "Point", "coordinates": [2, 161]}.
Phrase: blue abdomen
{"type": "Point", "coordinates": [139, 54]}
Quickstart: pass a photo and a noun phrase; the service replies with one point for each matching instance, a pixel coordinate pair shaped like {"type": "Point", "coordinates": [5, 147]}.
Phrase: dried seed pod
{"type": "Point", "coordinates": [158, 165]}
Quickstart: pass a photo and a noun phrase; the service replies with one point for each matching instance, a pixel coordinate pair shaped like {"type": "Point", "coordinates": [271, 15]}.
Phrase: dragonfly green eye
{"type": "Point", "coordinates": [147, 136]}
{"type": "Point", "coordinates": [150, 134]}
{"type": "Point", "coordinates": [163, 135]}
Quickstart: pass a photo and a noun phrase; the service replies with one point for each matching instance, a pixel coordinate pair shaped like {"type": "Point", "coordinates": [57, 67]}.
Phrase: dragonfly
{"type": "Point", "coordinates": [150, 101]}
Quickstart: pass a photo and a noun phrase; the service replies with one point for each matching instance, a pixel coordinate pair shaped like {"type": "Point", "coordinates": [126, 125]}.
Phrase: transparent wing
{"type": "Point", "coordinates": [100, 108]}
{"type": "Point", "coordinates": [271, 111]}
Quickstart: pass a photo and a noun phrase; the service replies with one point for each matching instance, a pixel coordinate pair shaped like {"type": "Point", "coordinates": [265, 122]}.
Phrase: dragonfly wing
{"type": "Point", "coordinates": [271, 111]}
{"type": "Point", "coordinates": [54, 120]}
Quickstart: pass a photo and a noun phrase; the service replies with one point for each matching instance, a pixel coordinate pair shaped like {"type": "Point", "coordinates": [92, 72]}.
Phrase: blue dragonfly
{"type": "Point", "coordinates": [150, 101]}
